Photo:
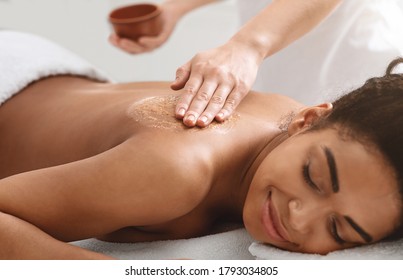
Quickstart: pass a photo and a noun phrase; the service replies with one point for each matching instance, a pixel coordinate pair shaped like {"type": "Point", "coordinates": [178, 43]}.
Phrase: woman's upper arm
{"type": "Point", "coordinates": [132, 184]}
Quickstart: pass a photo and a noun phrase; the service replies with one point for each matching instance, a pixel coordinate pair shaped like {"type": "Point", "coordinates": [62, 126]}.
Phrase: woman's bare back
{"type": "Point", "coordinates": [114, 162]}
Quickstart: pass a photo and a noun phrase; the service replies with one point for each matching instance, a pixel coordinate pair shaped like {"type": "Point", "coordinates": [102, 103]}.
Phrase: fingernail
{"type": "Point", "coordinates": [181, 112]}
{"type": "Point", "coordinates": [220, 115]}
{"type": "Point", "coordinates": [203, 119]}
{"type": "Point", "coordinates": [191, 118]}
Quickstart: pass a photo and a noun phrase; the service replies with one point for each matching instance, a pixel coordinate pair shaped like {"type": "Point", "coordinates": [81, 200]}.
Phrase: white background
{"type": "Point", "coordinates": [287, 270]}
{"type": "Point", "coordinates": [82, 26]}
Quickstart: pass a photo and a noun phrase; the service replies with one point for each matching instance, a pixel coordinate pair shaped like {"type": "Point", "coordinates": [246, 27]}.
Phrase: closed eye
{"type": "Point", "coordinates": [307, 177]}
{"type": "Point", "coordinates": [335, 233]}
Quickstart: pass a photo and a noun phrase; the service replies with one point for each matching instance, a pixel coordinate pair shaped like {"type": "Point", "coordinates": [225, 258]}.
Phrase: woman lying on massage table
{"type": "Point", "coordinates": [83, 159]}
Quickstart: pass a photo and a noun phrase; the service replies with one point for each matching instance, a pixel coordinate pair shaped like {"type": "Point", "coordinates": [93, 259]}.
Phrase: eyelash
{"type": "Point", "coordinates": [307, 177]}
{"type": "Point", "coordinates": [335, 235]}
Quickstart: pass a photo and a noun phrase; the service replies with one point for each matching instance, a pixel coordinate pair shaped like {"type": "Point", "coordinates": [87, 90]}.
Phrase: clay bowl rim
{"type": "Point", "coordinates": [148, 16]}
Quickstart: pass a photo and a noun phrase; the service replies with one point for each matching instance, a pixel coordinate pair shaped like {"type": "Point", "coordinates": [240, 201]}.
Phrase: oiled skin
{"type": "Point", "coordinates": [79, 160]}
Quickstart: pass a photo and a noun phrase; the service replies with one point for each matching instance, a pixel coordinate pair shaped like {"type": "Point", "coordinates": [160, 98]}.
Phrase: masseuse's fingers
{"type": "Point", "coordinates": [208, 95]}
{"type": "Point", "coordinates": [150, 43]}
{"type": "Point", "coordinates": [182, 76]}
{"type": "Point", "coordinates": [126, 44]}
{"type": "Point", "coordinates": [199, 103]}
{"type": "Point", "coordinates": [190, 90]}
{"type": "Point", "coordinates": [233, 100]}
{"type": "Point", "coordinates": [215, 82]}
{"type": "Point", "coordinates": [200, 85]}
{"type": "Point", "coordinates": [214, 106]}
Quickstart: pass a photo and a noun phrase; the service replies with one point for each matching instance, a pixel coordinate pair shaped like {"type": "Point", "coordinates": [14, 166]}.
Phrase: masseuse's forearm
{"type": "Point", "coordinates": [281, 23]}
{"type": "Point", "coordinates": [22, 240]}
{"type": "Point", "coordinates": [185, 6]}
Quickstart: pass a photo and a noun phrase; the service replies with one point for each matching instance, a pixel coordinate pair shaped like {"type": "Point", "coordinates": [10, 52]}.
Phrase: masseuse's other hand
{"type": "Point", "coordinates": [146, 44]}
{"type": "Point", "coordinates": [215, 82]}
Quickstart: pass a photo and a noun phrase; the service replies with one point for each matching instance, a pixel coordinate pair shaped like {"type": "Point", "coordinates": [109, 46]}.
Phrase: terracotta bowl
{"type": "Point", "coordinates": [135, 21]}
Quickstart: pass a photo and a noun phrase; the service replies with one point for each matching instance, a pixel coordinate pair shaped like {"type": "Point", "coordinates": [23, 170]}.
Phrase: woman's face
{"type": "Point", "coordinates": [317, 193]}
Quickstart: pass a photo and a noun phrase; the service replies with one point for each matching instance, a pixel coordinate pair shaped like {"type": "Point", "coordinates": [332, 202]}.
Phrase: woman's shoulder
{"type": "Point", "coordinates": [268, 105]}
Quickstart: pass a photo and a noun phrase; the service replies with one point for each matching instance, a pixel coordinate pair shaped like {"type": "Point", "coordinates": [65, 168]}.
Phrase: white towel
{"type": "Point", "coordinates": [379, 251]}
{"type": "Point", "coordinates": [25, 58]}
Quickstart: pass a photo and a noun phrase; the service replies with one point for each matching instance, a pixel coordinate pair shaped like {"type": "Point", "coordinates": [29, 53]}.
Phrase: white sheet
{"type": "Point", "coordinates": [230, 245]}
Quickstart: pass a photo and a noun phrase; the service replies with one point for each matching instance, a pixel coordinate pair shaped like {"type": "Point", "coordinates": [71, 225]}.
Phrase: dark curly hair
{"type": "Point", "coordinates": [373, 115]}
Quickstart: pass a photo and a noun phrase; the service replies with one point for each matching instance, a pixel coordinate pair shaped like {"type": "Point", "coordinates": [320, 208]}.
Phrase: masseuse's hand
{"type": "Point", "coordinates": [171, 16]}
{"type": "Point", "coordinates": [215, 82]}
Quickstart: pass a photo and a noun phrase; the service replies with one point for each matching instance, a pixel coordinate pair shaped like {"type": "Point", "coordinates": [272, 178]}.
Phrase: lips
{"type": "Point", "coordinates": [271, 222]}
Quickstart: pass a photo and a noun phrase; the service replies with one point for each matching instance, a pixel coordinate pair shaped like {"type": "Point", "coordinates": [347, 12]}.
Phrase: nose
{"type": "Point", "coordinates": [303, 215]}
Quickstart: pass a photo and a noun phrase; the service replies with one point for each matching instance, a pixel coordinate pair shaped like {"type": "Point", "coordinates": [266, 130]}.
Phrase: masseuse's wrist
{"type": "Point", "coordinates": [254, 49]}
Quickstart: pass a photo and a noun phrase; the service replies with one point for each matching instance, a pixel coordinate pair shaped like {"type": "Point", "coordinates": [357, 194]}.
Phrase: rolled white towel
{"type": "Point", "coordinates": [392, 250]}
{"type": "Point", "coordinates": [25, 58]}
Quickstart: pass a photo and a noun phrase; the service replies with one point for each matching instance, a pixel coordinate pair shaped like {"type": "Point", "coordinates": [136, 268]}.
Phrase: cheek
{"type": "Point", "coordinates": [255, 199]}
{"type": "Point", "coordinates": [257, 192]}
{"type": "Point", "coordinates": [261, 178]}
{"type": "Point", "coordinates": [285, 174]}
{"type": "Point", "coordinates": [318, 241]}
{"type": "Point", "coordinates": [285, 156]}
{"type": "Point", "coordinates": [320, 245]}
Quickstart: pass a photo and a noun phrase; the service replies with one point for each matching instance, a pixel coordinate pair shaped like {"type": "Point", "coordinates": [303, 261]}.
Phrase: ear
{"type": "Point", "coordinates": [308, 116]}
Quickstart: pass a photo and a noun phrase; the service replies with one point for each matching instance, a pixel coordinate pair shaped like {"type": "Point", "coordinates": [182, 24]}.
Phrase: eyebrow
{"type": "Point", "coordinates": [331, 162]}
{"type": "Point", "coordinates": [358, 229]}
